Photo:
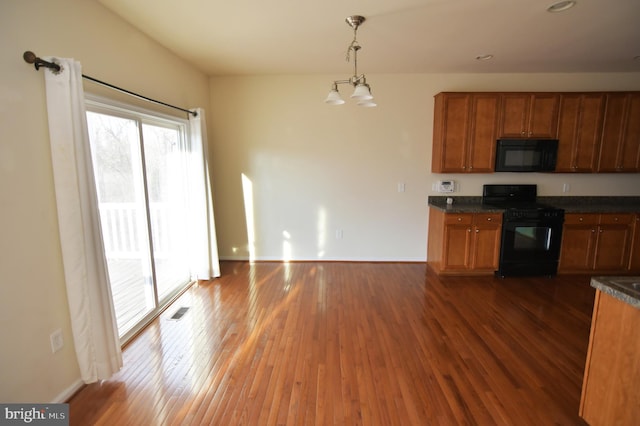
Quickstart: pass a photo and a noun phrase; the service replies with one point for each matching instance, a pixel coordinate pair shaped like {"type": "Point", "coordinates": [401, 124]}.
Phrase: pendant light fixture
{"type": "Point", "coordinates": [362, 91]}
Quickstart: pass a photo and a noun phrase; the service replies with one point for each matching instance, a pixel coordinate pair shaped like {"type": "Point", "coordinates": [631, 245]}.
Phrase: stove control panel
{"type": "Point", "coordinates": [555, 214]}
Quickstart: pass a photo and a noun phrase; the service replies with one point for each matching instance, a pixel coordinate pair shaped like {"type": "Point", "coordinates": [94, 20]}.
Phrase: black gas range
{"type": "Point", "coordinates": [531, 231]}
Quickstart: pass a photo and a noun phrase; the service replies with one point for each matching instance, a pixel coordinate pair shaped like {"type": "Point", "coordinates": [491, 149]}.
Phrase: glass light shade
{"type": "Point", "coordinates": [334, 98]}
{"type": "Point", "coordinates": [361, 93]}
{"type": "Point", "coordinates": [369, 103]}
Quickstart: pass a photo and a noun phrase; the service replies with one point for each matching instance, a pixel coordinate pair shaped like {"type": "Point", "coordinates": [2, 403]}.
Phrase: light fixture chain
{"type": "Point", "coordinates": [354, 43]}
{"type": "Point", "coordinates": [354, 46]}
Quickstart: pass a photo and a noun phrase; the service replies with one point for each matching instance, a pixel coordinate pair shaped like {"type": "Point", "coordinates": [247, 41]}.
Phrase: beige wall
{"type": "Point", "coordinates": [316, 169]}
{"type": "Point", "coordinates": [32, 292]}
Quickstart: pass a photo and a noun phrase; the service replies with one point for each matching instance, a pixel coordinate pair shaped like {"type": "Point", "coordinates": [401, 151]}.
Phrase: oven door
{"type": "Point", "coordinates": [530, 247]}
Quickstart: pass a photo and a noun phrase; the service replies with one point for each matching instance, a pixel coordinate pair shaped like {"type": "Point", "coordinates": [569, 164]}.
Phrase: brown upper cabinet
{"type": "Point", "coordinates": [579, 130]}
{"type": "Point", "coordinates": [464, 135]}
{"type": "Point", "coordinates": [596, 132]}
{"type": "Point", "coordinates": [634, 262]}
{"type": "Point", "coordinates": [529, 115]}
{"type": "Point", "coordinates": [620, 146]}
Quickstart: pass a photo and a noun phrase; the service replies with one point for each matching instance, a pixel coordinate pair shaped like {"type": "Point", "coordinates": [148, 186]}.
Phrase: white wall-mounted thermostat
{"type": "Point", "coordinates": [446, 186]}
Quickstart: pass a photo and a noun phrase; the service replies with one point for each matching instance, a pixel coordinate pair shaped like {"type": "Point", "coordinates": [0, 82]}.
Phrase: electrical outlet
{"type": "Point", "coordinates": [57, 341]}
{"type": "Point", "coordinates": [338, 234]}
{"type": "Point", "coordinates": [566, 187]}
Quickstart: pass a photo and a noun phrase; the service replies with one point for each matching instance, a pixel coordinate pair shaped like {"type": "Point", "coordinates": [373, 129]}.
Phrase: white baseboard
{"type": "Point", "coordinates": [66, 394]}
{"type": "Point", "coordinates": [345, 259]}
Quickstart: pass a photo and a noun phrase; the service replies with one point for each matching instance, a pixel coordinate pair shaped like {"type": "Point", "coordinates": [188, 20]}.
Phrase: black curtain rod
{"type": "Point", "coordinates": [31, 58]}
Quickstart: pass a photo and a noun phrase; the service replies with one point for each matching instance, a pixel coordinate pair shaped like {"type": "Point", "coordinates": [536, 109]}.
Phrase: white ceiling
{"type": "Point", "coordinates": [401, 36]}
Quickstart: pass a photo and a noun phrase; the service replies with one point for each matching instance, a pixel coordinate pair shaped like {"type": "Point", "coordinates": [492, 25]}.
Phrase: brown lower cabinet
{"type": "Point", "coordinates": [464, 243]}
{"type": "Point", "coordinates": [612, 372]}
{"type": "Point", "coordinates": [596, 243]}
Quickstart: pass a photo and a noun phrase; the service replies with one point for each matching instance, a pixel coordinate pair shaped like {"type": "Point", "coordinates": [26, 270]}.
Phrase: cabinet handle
{"type": "Point", "coordinates": [615, 219]}
{"type": "Point", "coordinates": [601, 231]}
{"type": "Point", "coordinates": [593, 230]}
{"type": "Point", "coordinates": [477, 230]}
{"type": "Point", "coordinates": [459, 219]}
{"type": "Point", "coordinates": [468, 229]}
{"type": "Point", "coordinates": [581, 219]}
{"type": "Point", "coordinates": [489, 219]}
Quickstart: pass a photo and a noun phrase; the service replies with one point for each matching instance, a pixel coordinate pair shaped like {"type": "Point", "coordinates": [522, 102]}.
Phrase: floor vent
{"type": "Point", "coordinates": [179, 313]}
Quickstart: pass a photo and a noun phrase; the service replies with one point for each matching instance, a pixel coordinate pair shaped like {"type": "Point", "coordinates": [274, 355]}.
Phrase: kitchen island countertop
{"type": "Point", "coordinates": [624, 288]}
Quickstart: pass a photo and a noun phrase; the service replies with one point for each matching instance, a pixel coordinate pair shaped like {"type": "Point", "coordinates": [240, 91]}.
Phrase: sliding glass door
{"type": "Point", "coordinates": [140, 167]}
{"type": "Point", "coordinates": [166, 172]}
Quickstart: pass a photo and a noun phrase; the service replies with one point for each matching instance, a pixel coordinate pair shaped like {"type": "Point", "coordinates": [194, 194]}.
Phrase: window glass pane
{"type": "Point", "coordinates": [165, 164]}
{"type": "Point", "coordinates": [115, 149]}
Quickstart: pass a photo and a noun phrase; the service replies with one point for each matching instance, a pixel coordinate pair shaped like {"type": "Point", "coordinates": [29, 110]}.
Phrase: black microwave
{"type": "Point", "coordinates": [526, 155]}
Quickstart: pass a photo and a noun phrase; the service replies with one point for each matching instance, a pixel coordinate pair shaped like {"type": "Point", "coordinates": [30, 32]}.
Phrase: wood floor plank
{"type": "Point", "coordinates": [315, 343]}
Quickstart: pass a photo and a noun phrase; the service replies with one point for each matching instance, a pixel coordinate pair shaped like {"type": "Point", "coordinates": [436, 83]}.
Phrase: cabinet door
{"type": "Point", "coordinates": [527, 115]}
{"type": "Point", "coordinates": [631, 137]}
{"type": "Point", "coordinates": [543, 116]}
{"type": "Point", "coordinates": [611, 131]}
{"type": "Point", "coordinates": [634, 262]}
{"type": "Point", "coordinates": [610, 388]}
{"type": "Point", "coordinates": [578, 243]}
{"type": "Point", "coordinates": [457, 243]}
{"type": "Point", "coordinates": [613, 244]}
{"type": "Point", "coordinates": [568, 119]}
{"type": "Point", "coordinates": [482, 132]}
{"type": "Point", "coordinates": [579, 130]}
{"type": "Point", "coordinates": [450, 133]}
{"type": "Point", "coordinates": [514, 115]}
{"type": "Point", "coordinates": [620, 146]}
{"type": "Point", "coordinates": [485, 253]}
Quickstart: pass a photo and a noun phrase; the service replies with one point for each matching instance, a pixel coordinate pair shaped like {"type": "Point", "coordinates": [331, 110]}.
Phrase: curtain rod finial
{"type": "Point", "coordinates": [29, 57]}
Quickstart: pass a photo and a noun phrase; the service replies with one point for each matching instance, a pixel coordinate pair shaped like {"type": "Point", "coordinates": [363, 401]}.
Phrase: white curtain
{"type": "Point", "coordinates": [205, 255]}
{"type": "Point", "coordinates": [93, 321]}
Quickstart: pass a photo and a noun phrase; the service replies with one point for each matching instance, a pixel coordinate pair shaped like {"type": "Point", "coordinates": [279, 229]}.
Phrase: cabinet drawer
{"type": "Point", "coordinates": [581, 219]}
{"type": "Point", "coordinates": [481, 218]}
{"type": "Point", "coordinates": [461, 219]}
{"type": "Point", "coordinates": [616, 218]}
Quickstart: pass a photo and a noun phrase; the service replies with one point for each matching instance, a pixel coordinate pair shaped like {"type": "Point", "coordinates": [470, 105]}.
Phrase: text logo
{"type": "Point", "coordinates": [34, 414]}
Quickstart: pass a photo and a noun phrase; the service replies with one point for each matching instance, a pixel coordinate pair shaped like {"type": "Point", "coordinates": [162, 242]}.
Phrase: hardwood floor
{"type": "Point", "coordinates": [354, 343]}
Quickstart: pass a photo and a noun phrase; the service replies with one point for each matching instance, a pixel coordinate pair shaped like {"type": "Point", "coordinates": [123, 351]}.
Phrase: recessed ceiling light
{"type": "Point", "coordinates": [561, 6]}
{"type": "Point", "coordinates": [484, 57]}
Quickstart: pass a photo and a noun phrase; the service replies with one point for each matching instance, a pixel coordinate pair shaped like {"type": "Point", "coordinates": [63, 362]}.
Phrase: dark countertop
{"type": "Point", "coordinates": [625, 289]}
{"type": "Point", "coordinates": [569, 204]}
